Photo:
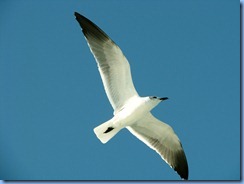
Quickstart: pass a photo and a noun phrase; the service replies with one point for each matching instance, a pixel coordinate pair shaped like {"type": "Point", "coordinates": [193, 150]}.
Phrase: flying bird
{"type": "Point", "coordinates": [130, 110]}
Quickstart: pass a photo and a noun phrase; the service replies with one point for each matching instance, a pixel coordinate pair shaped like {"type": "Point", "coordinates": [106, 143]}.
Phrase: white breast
{"type": "Point", "coordinates": [135, 109]}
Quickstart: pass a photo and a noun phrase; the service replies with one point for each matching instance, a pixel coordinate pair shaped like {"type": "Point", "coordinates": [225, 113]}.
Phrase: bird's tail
{"type": "Point", "coordinates": [106, 131]}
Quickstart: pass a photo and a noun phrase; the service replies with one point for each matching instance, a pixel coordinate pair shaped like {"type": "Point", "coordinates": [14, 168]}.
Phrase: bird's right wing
{"type": "Point", "coordinates": [112, 64]}
{"type": "Point", "coordinates": [161, 138]}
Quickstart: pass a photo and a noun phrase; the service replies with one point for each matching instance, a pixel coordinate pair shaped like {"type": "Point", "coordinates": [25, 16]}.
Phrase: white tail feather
{"type": "Point", "coordinates": [105, 137]}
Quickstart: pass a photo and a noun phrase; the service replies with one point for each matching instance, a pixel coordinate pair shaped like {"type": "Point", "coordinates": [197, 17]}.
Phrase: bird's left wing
{"type": "Point", "coordinates": [161, 138]}
{"type": "Point", "coordinates": [112, 64]}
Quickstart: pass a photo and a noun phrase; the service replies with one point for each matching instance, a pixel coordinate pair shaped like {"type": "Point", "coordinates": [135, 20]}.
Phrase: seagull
{"type": "Point", "coordinates": [130, 110]}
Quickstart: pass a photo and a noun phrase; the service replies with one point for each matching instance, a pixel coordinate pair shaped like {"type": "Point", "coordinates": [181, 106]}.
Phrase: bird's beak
{"type": "Point", "coordinates": [164, 98]}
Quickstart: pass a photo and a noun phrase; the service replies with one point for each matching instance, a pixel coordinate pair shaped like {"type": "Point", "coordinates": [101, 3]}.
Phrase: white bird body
{"type": "Point", "coordinates": [130, 110]}
{"type": "Point", "coordinates": [133, 111]}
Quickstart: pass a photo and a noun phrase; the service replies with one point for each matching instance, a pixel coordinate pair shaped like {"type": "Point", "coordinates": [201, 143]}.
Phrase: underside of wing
{"type": "Point", "coordinates": [161, 138]}
{"type": "Point", "coordinates": [112, 64]}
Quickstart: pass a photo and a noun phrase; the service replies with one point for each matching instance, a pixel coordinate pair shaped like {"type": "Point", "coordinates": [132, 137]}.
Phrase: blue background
{"type": "Point", "coordinates": [52, 97]}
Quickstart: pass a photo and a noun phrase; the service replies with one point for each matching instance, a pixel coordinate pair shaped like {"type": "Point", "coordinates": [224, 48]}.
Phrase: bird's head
{"type": "Point", "coordinates": [156, 100]}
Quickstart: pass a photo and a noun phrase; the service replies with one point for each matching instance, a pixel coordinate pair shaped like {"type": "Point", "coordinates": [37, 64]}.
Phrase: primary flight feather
{"type": "Point", "coordinates": [130, 110]}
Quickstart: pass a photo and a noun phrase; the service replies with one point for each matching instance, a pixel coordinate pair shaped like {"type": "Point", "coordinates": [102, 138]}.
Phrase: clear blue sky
{"type": "Point", "coordinates": [52, 97]}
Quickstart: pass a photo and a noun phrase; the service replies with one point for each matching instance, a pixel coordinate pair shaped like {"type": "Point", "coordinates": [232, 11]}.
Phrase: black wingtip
{"type": "Point", "coordinates": [91, 29]}
{"type": "Point", "coordinates": [77, 15]}
{"type": "Point", "coordinates": [182, 166]}
{"type": "Point", "coordinates": [183, 174]}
